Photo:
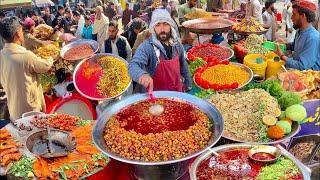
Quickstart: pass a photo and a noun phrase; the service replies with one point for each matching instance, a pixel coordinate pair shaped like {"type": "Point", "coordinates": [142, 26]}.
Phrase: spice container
{"type": "Point", "coordinates": [274, 64]}
{"type": "Point", "coordinates": [257, 63]}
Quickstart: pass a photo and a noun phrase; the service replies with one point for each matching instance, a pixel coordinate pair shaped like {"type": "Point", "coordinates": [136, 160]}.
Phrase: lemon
{"type": "Point", "coordinates": [269, 120]}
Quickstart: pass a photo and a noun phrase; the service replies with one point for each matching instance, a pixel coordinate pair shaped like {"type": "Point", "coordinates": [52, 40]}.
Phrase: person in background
{"type": "Point", "coordinates": [110, 11]}
{"type": "Point", "coordinates": [188, 7]}
{"type": "Point", "coordinates": [18, 71]}
{"type": "Point", "coordinates": [69, 22]}
{"type": "Point", "coordinates": [47, 17]}
{"type": "Point", "coordinates": [59, 20]}
{"type": "Point", "coordinates": [2, 16]}
{"type": "Point", "coordinates": [80, 23]}
{"type": "Point", "coordinates": [116, 44]}
{"type": "Point", "coordinates": [134, 28]}
{"type": "Point", "coordinates": [214, 5]}
{"type": "Point", "coordinates": [37, 20]}
{"type": "Point", "coordinates": [254, 9]}
{"type": "Point", "coordinates": [126, 16]}
{"type": "Point", "coordinates": [287, 14]}
{"type": "Point", "coordinates": [141, 37]}
{"type": "Point", "coordinates": [87, 28]}
{"type": "Point", "coordinates": [30, 42]}
{"type": "Point", "coordinates": [269, 20]}
{"type": "Point", "coordinates": [165, 5]}
{"type": "Point", "coordinates": [100, 27]}
{"type": "Point", "coordinates": [306, 45]}
{"type": "Point", "coordinates": [159, 63]}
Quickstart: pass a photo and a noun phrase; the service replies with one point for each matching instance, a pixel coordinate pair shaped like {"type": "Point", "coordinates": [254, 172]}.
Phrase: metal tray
{"type": "Point", "coordinates": [94, 45]}
{"type": "Point", "coordinates": [93, 60]}
{"type": "Point", "coordinates": [210, 24]}
{"type": "Point", "coordinates": [211, 111]}
{"type": "Point", "coordinates": [232, 53]}
{"type": "Point", "coordinates": [195, 164]}
{"type": "Point", "coordinates": [246, 68]}
{"type": "Point", "coordinates": [295, 128]}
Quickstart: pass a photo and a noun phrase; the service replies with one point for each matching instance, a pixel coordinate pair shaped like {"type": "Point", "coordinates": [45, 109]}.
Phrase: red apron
{"type": "Point", "coordinates": [167, 75]}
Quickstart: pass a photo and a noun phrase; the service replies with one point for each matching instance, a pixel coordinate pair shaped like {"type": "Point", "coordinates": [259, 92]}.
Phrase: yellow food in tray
{"type": "Point", "coordinates": [198, 14]}
{"type": "Point", "coordinates": [249, 25]}
{"type": "Point", "coordinates": [49, 50]}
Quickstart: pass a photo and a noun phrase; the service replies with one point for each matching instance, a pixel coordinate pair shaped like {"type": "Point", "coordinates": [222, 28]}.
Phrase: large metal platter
{"type": "Point", "coordinates": [204, 156]}
{"type": "Point", "coordinates": [93, 60]}
{"type": "Point", "coordinates": [246, 68]}
{"type": "Point", "coordinates": [208, 25]}
{"type": "Point", "coordinates": [94, 45]}
{"type": "Point", "coordinates": [211, 111]}
{"type": "Point", "coordinates": [295, 128]}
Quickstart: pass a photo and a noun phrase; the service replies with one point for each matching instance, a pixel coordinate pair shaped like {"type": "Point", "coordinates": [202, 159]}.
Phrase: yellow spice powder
{"type": "Point", "coordinates": [225, 74]}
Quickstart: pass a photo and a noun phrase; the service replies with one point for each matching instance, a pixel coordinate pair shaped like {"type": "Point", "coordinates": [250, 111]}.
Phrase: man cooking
{"type": "Point", "coordinates": [18, 71]}
{"type": "Point", "coordinates": [159, 63]}
{"type": "Point", "coordinates": [306, 44]}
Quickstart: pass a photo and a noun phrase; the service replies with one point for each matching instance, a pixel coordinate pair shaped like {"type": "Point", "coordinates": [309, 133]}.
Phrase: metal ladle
{"type": "Point", "coordinates": [155, 109]}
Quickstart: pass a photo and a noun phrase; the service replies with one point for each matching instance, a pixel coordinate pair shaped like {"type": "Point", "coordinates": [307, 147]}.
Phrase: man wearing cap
{"type": "Point", "coordinates": [306, 45]}
{"type": "Point", "coordinates": [30, 42]}
{"type": "Point", "coordinates": [18, 71]}
{"type": "Point", "coordinates": [59, 20]}
{"type": "Point", "coordinates": [159, 63]}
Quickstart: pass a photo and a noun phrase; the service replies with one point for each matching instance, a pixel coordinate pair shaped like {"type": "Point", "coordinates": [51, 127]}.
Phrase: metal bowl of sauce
{"type": "Point", "coordinates": [264, 153]}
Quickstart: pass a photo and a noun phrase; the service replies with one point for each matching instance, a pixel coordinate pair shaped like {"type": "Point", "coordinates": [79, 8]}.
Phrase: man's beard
{"type": "Point", "coordinates": [163, 36]}
{"type": "Point", "coordinates": [297, 25]}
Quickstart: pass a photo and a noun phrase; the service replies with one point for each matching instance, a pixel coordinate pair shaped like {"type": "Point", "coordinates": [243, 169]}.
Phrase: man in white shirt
{"type": "Point", "coordinates": [254, 9]}
{"type": "Point", "coordinates": [116, 44]}
{"type": "Point", "coordinates": [269, 20]}
{"type": "Point", "coordinates": [80, 23]}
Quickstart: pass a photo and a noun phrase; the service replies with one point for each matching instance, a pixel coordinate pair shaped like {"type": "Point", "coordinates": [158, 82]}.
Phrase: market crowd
{"type": "Point", "coordinates": [148, 34]}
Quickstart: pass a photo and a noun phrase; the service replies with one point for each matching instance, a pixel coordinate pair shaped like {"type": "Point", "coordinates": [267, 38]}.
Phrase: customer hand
{"type": "Point", "coordinates": [282, 41]}
{"type": "Point", "coordinates": [146, 81]}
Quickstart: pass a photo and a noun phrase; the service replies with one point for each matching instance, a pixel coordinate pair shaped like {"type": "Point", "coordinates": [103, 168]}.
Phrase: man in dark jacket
{"type": "Point", "coordinates": [48, 17]}
{"type": "Point", "coordinates": [59, 20]}
{"type": "Point", "coordinates": [134, 28]}
{"type": "Point", "coordinates": [117, 44]}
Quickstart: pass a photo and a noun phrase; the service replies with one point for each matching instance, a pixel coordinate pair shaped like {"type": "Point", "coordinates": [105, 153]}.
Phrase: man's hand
{"type": "Point", "coordinates": [290, 30]}
{"type": "Point", "coordinates": [146, 81]}
{"type": "Point", "coordinates": [282, 41]}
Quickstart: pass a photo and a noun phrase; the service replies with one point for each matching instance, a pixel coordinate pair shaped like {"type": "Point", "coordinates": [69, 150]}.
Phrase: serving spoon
{"type": "Point", "coordinates": [155, 109]}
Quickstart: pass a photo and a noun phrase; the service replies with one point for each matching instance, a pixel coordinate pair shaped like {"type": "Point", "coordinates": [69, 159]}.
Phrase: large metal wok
{"type": "Point", "coordinates": [172, 169]}
{"type": "Point", "coordinates": [208, 25]}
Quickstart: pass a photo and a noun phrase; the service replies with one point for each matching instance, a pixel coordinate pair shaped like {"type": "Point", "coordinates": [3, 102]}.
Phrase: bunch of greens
{"type": "Point", "coordinates": [283, 169]}
{"type": "Point", "coordinates": [22, 168]}
{"type": "Point", "coordinates": [195, 65]}
{"type": "Point", "coordinates": [83, 122]}
{"type": "Point", "coordinates": [204, 93]}
{"type": "Point", "coordinates": [262, 127]}
{"type": "Point", "coordinates": [274, 88]}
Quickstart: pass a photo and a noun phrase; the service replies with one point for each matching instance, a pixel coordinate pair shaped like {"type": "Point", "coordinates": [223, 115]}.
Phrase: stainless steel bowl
{"type": "Point", "coordinates": [93, 59]}
{"type": "Point", "coordinates": [246, 68]}
{"type": "Point", "coordinates": [172, 169]}
{"type": "Point", "coordinates": [204, 156]}
{"type": "Point", "coordinates": [94, 45]}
